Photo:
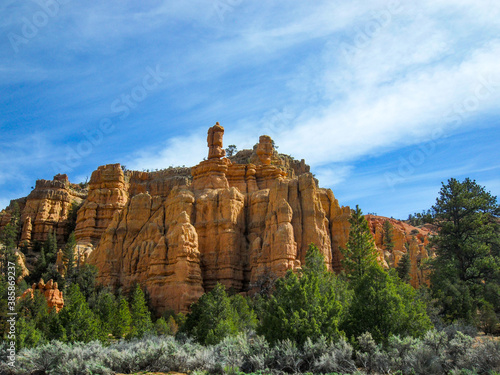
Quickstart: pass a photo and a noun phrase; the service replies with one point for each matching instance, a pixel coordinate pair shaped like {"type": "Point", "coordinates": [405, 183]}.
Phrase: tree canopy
{"type": "Point", "coordinates": [466, 271]}
{"type": "Point", "coordinates": [359, 253]}
{"type": "Point", "coordinates": [305, 305]}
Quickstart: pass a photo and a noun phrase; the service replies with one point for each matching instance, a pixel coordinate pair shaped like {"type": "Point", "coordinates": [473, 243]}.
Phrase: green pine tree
{"type": "Point", "coordinates": [122, 320]}
{"type": "Point", "coordinates": [85, 276]}
{"type": "Point", "coordinates": [9, 237]}
{"type": "Point", "coordinates": [388, 235]}
{"type": "Point", "coordinates": [466, 271]}
{"type": "Point", "coordinates": [245, 318]}
{"type": "Point", "coordinates": [78, 320]}
{"type": "Point", "coordinates": [384, 305]}
{"type": "Point", "coordinates": [53, 328]}
{"type": "Point", "coordinates": [141, 317]}
{"type": "Point", "coordinates": [71, 219]}
{"type": "Point", "coordinates": [403, 268]}
{"type": "Point", "coordinates": [162, 328]}
{"type": "Point", "coordinates": [212, 317]}
{"type": "Point", "coordinates": [40, 267]}
{"type": "Point", "coordinates": [359, 253]}
{"type": "Point", "coordinates": [305, 305]}
{"type": "Point", "coordinates": [27, 334]}
{"type": "Point", "coordinates": [69, 257]}
{"type": "Point", "coordinates": [50, 248]}
{"type": "Point", "coordinates": [105, 309]}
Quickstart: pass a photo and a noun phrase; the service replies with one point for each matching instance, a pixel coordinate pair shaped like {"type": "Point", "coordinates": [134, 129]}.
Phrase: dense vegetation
{"type": "Point", "coordinates": [311, 319]}
{"type": "Point", "coordinates": [436, 353]}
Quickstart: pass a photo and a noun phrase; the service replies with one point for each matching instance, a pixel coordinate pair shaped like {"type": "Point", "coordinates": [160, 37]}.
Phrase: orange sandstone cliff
{"type": "Point", "coordinates": [179, 231]}
{"type": "Point", "coordinates": [406, 238]}
{"type": "Point", "coordinates": [46, 209]}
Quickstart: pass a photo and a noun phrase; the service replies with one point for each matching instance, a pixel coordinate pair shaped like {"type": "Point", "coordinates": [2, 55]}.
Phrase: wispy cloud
{"type": "Point", "coordinates": [341, 84]}
{"type": "Point", "coordinates": [187, 151]}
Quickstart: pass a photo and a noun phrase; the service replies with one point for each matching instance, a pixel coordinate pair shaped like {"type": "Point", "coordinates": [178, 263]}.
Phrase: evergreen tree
{"type": "Point", "coordinates": [8, 259]}
{"type": "Point", "coordinates": [78, 320]}
{"type": "Point", "coordinates": [403, 268]}
{"type": "Point", "coordinates": [122, 320]}
{"type": "Point", "coordinates": [231, 150]}
{"type": "Point", "coordinates": [50, 248]}
{"type": "Point", "coordinates": [163, 327]}
{"type": "Point", "coordinates": [10, 234]}
{"type": "Point", "coordinates": [40, 267]}
{"type": "Point", "coordinates": [384, 305]}
{"type": "Point", "coordinates": [105, 309]}
{"type": "Point", "coordinates": [305, 305]}
{"type": "Point", "coordinates": [212, 317]}
{"type": "Point", "coordinates": [27, 334]}
{"type": "Point", "coordinates": [466, 270]}
{"type": "Point", "coordinates": [359, 254]}
{"type": "Point", "coordinates": [35, 309]}
{"type": "Point", "coordinates": [69, 257]}
{"type": "Point", "coordinates": [85, 277]}
{"type": "Point", "coordinates": [9, 237]}
{"type": "Point", "coordinates": [173, 324]}
{"type": "Point", "coordinates": [245, 318]}
{"type": "Point", "coordinates": [53, 328]}
{"type": "Point", "coordinates": [71, 219]}
{"type": "Point", "coordinates": [388, 235]}
{"type": "Point", "coordinates": [141, 317]}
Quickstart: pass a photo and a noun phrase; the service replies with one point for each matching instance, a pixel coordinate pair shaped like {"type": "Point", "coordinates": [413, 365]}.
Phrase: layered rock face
{"type": "Point", "coordinates": [178, 234]}
{"type": "Point", "coordinates": [406, 239]}
{"type": "Point", "coordinates": [50, 291]}
{"type": "Point", "coordinates": [46, 209]}
{"type": "Point", "coordinates": [107, 195]}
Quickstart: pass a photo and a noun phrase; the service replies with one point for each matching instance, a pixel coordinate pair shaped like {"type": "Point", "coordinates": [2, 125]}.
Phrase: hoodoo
{"type": "Point", "coordinates": [178, 231]}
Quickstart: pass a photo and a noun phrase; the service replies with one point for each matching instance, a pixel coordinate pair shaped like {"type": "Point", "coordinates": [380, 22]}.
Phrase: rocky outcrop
{"type": "Point", "coordinates": [232, 223]}
{"type": "Point", "coordinates": [287, 164]}
{"type": "Point", "coordinates": [50, 291]}
{"type": "Point", "coordinates": [106, 196]}
{"type": "Point", "coordinates": [46, 209]}
{"type": "Point", "coordinates": [179, 231]}
{"type": "Point", "coordinates": [405, 239]}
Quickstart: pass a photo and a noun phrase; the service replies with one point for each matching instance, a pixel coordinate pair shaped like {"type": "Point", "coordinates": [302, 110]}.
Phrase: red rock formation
{"type": "Point", "coordinates": [265, 149]}
{"type": "Point", "coordinates": [214, 140]}
{"type": "Point", "coordinates": [50, 291]}
{"type": "Point", "coordinates": [235, 221]}
{"type": "Point", "coordinates": [406, 238]}
{"type": "Point", "coordinates": [233, 224]}
{"type": "Point", "coordinates": [107, 195]}
{"type": "Point", "coordinates": [46, 209]}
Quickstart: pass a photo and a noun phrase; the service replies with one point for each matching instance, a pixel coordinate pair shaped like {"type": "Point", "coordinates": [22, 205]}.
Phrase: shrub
{"type": "Point", "coordinates": [337, 359]}
{"type": "Point", "coordinates": [431, 355]}
{"type": "Point", "coordinates": [371, 356]}
{"type": "Point", "coordinates": [306, 305]}
{"type": "Point", "coordinates": [285, 357]}
{"type": "Point", "coordinates": [216, 316]}
{"type": "Point", "coordinates": [384, 305]}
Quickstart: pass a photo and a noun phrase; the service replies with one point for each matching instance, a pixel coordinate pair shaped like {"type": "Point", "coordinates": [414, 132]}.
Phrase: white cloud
{"type": "Point", "coordinates": [333, 176]}
{"type": "Point", "coordinates": [403, 112]}
{"type": "Point", "coordinates": [419, 71]}
{"type": "Point", "coordinates": [178, 151]}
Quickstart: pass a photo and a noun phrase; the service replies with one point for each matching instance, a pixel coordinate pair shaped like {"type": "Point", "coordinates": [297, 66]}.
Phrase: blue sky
{"type": "Point", "coordinates": [384, 100]}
